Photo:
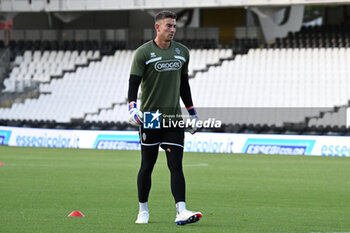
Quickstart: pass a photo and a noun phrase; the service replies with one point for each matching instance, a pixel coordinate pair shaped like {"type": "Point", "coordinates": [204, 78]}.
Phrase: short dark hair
{"type": "Point", "coordinates": [165, 14]}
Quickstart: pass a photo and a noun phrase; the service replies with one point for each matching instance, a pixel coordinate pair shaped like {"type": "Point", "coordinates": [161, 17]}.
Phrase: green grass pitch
{"type": "Point", "coordinates": [39, 187]}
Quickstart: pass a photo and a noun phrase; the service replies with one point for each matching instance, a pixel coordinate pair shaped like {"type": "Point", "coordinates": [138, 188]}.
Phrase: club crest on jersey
{"type": "Point", "coordinates": [177, 50]}
{"type": "Point", "coordinates": [152, 54]}
{"type": "Point", "coordinates": [168, 65]}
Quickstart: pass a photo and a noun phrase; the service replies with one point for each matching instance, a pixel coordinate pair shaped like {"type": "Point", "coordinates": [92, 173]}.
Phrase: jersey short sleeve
{"type": "Point", "coordinates": [138, 63]}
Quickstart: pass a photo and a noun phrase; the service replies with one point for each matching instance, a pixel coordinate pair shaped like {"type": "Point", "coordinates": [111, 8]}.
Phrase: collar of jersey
{"type": "Point", "coordinates": [171, 43]}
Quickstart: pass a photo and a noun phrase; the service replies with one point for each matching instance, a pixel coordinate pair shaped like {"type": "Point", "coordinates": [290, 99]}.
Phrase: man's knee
{"type": "Point", "coordinates": [174, 157]}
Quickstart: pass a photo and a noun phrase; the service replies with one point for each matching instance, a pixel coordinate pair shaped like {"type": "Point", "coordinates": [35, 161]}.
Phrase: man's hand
{"type": "Point", "coordinates": [135, 116]}
{"type": "Point", "coordinates": [193, 114]}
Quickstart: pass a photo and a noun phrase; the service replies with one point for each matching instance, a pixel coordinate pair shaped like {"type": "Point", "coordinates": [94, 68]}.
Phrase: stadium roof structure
{"type": "Point", "coordinates": [93, 5]}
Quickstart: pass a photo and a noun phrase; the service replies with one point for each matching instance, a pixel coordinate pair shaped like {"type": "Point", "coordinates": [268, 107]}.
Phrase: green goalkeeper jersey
{"type": "Point", "coordinates": [161, 71]}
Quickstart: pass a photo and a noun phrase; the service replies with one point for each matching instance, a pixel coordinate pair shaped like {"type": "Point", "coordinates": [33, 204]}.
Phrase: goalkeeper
{"type": "Point", "coordinates": [161, 67]}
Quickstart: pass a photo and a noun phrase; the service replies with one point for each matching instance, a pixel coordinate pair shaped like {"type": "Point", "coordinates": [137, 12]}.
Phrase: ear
{"type": "Point", "coordinates": [156, 26]}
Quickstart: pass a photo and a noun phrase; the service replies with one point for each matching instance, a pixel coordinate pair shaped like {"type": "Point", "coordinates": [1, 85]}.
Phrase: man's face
{"type": "Point", "coordinates": [166, 29]}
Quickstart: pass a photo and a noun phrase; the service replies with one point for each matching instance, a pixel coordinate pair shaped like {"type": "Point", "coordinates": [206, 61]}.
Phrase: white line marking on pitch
{"type": "Point", "coordinates": [197, 165]}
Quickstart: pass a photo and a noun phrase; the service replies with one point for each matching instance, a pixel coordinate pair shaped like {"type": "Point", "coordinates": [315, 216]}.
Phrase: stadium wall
{"type": "Point", "coordinates": [200, 142]}
{"type": "Point", "coordinates": [95, 5]}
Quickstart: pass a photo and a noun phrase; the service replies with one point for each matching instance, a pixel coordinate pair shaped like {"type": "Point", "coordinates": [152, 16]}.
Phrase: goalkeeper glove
{"type": "Point", "coordinates": [135, 116]}
{"type": "Point", "coordinates": [192, 111]}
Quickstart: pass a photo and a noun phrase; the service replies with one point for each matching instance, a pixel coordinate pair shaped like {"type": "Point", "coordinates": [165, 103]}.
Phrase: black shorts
{"type": "Point", "coordinates": [162, 137]}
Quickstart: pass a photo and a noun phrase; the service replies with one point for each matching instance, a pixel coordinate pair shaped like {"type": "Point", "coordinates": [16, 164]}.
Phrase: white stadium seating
{"type": "Point", "coordinates": [277, 78]}
{"type": "Point", "coordinates": [88, 92]}
{"type": "Point", "coordinates": [282, 79]}
{"type": "Point", "coordinates": [36, 67]}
